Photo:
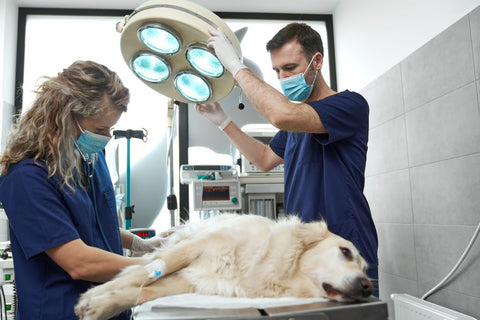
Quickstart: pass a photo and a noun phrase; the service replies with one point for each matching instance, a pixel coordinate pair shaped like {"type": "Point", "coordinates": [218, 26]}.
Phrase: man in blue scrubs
{"type": "Point", "coordinates": [58, 195]}
{"type": "Point", "coordinates": [322, 139]}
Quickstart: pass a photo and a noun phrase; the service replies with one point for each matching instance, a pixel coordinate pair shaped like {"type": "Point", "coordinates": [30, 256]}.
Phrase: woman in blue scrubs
{"type": "Point", "coordinates": [57, 193]}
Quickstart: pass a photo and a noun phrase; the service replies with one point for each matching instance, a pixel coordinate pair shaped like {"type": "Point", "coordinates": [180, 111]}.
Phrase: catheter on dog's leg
{"type": "Point", "coordinates": [108, 302]}
{"type": "Point", "coordinates": [131, 286]}
{"type": "Point", "coordinates": [123, 292]}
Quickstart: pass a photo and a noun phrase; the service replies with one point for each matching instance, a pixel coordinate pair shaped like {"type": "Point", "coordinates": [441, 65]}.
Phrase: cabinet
{"type": "Point", "coordinates": [262, 194]}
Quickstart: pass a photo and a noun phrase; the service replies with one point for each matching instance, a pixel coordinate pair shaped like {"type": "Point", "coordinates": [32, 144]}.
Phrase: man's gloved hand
{"type": "Point", "coordinates": [214, 113]}
{"type": "Point", "coordinates": [147, 245]}
{"type": "Point", "coordinates": [225, 51]}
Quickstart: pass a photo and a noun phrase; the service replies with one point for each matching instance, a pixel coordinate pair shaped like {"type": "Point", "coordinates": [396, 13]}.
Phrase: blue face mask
{"type": "Point", "coordinates": [295, 88]}
{"type": "Point", "coordinates": [89, 142]}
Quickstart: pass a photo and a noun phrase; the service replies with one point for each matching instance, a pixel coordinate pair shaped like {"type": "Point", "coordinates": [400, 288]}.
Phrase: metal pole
{"type": "Point", "coordinates": [171, 198]}
{"type": "Point", "coordinates": [128, 220]}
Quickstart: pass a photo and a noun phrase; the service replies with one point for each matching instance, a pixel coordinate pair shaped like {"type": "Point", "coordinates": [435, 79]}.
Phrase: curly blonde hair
{"type": "Point", "coordinates": [47, 131]}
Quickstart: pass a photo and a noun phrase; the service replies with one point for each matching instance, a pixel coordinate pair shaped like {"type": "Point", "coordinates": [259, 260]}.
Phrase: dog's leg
{"type": "Point", "coordinates": [97, 303]}
{"type": "Point", "coordinates": [171, 285]}
{"type": "Point", "coordinates": [102, 302]}
{"type": "Point", "coordinates": [126, 291]}
{"type": "Point", "coordinates": [180, 255]}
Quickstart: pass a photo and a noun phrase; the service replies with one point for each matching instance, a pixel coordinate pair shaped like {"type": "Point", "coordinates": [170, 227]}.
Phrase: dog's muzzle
{"type": "Point", "coordinates": [359, 289]}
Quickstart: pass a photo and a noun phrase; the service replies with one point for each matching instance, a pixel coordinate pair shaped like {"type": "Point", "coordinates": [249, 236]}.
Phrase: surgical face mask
{"type": "Point", "coordinates": [89, 142]}
{"type": "Point", "coordinates": [295, 88]}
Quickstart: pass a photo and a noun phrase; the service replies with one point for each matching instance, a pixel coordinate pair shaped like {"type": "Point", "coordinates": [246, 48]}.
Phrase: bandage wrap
{"type": "Point", "coordinates": [156, 268]}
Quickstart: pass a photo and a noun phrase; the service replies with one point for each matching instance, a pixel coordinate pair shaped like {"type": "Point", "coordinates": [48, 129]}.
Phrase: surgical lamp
{"type": "Point", "coordinates": [164, 44]}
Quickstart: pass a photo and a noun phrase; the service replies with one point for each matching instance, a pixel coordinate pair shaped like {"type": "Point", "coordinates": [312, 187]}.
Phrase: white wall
{"type": "Point", "coordinates": [8, 43]}
{"type": "Point", "coordinates": [422, 176]}
{"type": "Point", "coordinates": [371, 36]}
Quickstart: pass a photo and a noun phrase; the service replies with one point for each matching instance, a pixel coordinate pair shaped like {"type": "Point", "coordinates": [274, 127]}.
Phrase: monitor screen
{"type": "Point", "coordinates": [216, 193]}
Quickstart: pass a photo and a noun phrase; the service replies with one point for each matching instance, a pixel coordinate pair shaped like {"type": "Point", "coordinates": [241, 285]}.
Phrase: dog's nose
{"type": "Point", "coordinates": [366, 286]}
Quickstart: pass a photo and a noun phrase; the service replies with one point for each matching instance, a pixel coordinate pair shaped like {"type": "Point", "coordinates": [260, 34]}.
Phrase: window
{"type": "Point", "coordinates": [56, 38]}
{"type": "Point", "coordinates": [53, 42]}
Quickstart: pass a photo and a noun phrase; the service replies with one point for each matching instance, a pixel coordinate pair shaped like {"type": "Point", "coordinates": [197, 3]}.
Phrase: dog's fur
{"type": "Point", "coordinates": [239, 256]}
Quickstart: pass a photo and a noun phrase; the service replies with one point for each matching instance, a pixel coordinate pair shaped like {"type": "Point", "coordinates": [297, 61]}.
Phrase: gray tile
{"type": "Point", "coordinates": [447, 192]}
{"type": "Point", "coordinates": [385, 97]}
{"type": "Point", "coordinates": [393, 284]}
{"type": "Point", "coordinates": [438, 249]}
{"type": "Point", "coordinates": [440, 66]}
{"type": "Point", "coordinates": [444, 128]}
{"type": "Point", "coordinates": [396, 250]}
{"type": "Point", "coordinates": [387, 147]}
{"type": "Point", "coordinates": [474, 17]}
{"type": "Point", "coordinates": [478, 95]}
{"type": "Point", "coordinates": [389, 197]}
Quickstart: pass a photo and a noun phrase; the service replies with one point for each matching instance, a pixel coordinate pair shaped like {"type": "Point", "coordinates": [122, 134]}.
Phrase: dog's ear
{"type": "Point", "coordinates": [311, 233]}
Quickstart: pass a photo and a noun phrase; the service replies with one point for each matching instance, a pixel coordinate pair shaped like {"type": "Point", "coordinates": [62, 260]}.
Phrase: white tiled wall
{"type": "Point", "coordinates": [423, 168]}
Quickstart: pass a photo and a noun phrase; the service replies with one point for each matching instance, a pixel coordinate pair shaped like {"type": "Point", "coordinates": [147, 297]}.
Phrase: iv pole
{"type": "Point", "coordinates": [171, 198]}
{"type": "Point", "coordinates": [128, 134]}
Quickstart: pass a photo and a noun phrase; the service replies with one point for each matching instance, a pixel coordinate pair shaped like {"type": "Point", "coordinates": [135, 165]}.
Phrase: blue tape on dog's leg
{"type": "Point", "coordinates": [156, 268]}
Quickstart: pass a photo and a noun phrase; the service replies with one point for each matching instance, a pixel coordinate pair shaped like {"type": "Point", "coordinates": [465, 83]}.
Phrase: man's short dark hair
{"type": "Point", "coordinates": [308, 38]}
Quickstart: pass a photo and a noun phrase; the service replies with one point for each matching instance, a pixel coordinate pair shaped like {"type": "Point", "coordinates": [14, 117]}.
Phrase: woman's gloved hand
{"type": "Point", "coordinates": [147, 245]}
{"type": "Point", "coordinates": [214, 113]}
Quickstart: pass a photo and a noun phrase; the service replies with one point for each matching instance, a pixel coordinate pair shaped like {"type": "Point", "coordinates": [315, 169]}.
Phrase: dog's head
{"type": "Point", "coordinates": [334, 264]}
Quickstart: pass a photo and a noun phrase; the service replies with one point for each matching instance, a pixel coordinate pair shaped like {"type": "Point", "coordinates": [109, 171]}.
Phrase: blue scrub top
{"type": "Point", "coordinates": [324, 173]}
{"type": "Point", "coordinates": [43, 215]}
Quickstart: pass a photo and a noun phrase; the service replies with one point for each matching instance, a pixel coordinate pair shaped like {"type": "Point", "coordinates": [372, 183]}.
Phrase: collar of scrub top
{"type": "Point", "coordinates": [89, 160]}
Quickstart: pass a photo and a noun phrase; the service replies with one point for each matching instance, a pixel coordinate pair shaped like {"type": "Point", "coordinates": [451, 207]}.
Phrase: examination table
{"type": "Point", "coordinates": [194, 306]}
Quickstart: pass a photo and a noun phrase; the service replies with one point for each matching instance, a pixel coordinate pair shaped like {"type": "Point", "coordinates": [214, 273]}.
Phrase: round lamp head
{"type": "Point", "coordinates": [192, 86]}
{"type": "Point", "coordinates": [150, 68]}
{"type": "Point", "coordinates": [164, 44]}
{"type": "Point", "coordinates": [204, 61]}
{"type": "Point", "coordinates": [159, 39]}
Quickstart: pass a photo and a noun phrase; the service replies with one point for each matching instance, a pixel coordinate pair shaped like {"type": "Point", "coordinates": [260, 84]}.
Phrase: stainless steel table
{"type": "Point", "coordinates": [373, 309]}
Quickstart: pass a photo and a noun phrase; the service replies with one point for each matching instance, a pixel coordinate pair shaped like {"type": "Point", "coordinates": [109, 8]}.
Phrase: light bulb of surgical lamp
{"type": "Point", "coordinates": [193, 87]}
{"type": "Point", "coordinates": [159, 39]}
{"type": "Point", "coordinates": [150, 68]}
{"type": "Point", "coordinates": [205, 62]}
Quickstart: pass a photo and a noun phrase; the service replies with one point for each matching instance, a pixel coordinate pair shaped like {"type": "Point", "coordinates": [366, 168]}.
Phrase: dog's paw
{"type": "Point", "coordinates": [82, 309]}
{"type": "Point", "coordinates": [91, 308]}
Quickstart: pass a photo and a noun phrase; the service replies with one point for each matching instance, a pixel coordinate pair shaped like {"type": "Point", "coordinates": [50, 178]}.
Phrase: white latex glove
{"type": "Point", "coordinates": [147, 245]}
{"type": "Point", "coordinates": [225, 51]}
{"type": "Point", "coordinates": [214, 113]}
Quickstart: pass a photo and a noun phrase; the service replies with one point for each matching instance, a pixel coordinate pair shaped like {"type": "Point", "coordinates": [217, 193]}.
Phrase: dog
{"type": "Point", "coordinates": [238, 255]}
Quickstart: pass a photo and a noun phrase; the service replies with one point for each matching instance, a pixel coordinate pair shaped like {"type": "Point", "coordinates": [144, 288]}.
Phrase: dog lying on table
{"type": "Point", "coordinates": [238, 256]}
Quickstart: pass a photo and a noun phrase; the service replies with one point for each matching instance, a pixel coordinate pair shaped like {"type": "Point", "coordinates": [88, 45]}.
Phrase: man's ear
{"type": "Point", "coordinates": [311, 233]}
{"type": "Point", "coordinates": [318, 59]}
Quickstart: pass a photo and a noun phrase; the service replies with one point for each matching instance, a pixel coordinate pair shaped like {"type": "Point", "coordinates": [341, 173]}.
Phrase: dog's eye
{"type": "Point", "coordinates": [347, 253]}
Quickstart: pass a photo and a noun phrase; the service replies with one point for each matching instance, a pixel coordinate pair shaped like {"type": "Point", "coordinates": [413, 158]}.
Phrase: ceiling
{"type": "Point", "coordinates": [272, 6]}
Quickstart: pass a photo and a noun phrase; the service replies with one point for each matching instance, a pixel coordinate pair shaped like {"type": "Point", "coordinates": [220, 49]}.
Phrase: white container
{"type": "Point", "coordinates": [4, 235]}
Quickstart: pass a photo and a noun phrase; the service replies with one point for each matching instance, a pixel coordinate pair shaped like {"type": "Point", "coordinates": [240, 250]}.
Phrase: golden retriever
{"type": "Point", "coordinates": [238, 256]}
